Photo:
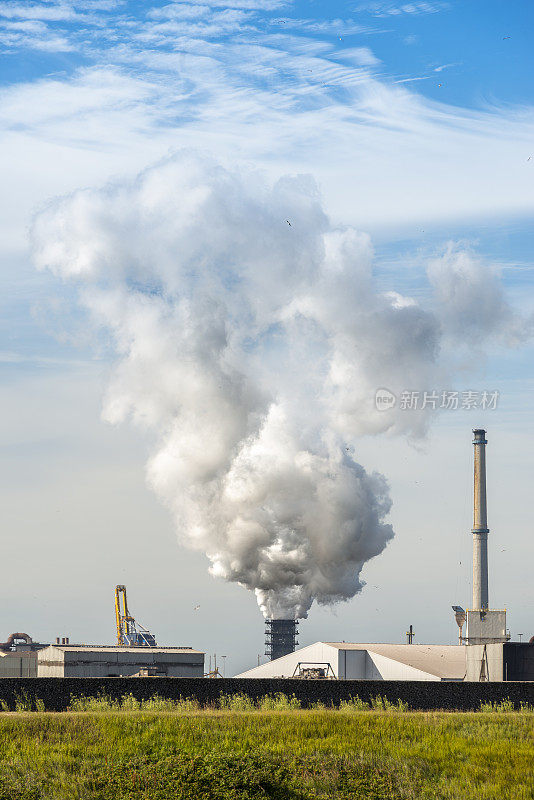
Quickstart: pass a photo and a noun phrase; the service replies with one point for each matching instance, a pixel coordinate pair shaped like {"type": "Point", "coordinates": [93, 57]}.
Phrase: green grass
{"type": "Point", "coordinates": [165, 750]}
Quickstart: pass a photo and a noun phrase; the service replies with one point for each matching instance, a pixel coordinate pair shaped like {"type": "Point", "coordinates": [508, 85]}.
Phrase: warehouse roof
{"type": "Point", "coordinates": [119, 649]}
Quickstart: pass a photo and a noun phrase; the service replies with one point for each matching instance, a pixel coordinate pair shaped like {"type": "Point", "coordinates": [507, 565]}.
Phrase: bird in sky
{"type": "Point", "coordinates": [196, 608]}
{"type": "Point", "coordinates": [506, 37]}
{"type": "Point", "coordinates": [288, 222]}
{"type": "Point", "coordinates": [440, 84]}
{"type": "Point", "coordinates": [529, 158]}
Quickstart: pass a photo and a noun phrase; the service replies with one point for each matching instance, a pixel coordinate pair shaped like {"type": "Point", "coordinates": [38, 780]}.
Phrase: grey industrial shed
{"type": "Point", "coordinates": [81, 661]}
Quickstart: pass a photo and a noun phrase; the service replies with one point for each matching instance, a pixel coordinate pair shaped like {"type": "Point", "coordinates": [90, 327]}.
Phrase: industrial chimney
{"type": "Point", "coordinates": [480, 523]}
{"type": "Point", "coordinates": [484, 626]}
{"type": "Point", "coordinates": [281, 637]}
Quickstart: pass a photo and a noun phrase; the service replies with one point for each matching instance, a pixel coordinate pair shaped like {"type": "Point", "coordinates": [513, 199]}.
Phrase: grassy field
{"type": "Point", "coordinates": [163, 751]}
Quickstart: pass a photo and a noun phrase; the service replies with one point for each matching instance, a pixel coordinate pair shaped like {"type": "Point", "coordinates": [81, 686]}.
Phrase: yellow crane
{"type": "Point", "coordinates": [129, 633]}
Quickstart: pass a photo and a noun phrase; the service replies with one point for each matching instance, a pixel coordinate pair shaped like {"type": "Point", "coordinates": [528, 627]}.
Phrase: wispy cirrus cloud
{"type": "Point", "coordinates": [385, 9]}
{"type": "Point", "coordinates": [446, 66]}
{"type": "Point", "coordinates": [226, 78]}
{"type": "Point", "coordinates": [208, 24]}
{"type": "Point", "coordinates": [336, 27]}
{"type": "Point", "coordinates": [32, 35]}
{"type": "Point", "coordinates": [45, 11]}
{"type": "Point", "coordinates": [179, 11]}
{"type": "Point", "coordinates": [173, 9]}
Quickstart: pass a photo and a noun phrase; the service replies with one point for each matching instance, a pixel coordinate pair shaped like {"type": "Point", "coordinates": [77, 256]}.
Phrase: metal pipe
{"type": "Point", "coordinates": [480, 523]}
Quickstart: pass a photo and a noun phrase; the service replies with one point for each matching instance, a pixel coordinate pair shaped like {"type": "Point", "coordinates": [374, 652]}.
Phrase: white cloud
{"type": "Point", "coordinates": [93, 93]}
{"type": "Point", "coordinates": [52, 12]}
{"type": "Point", "coordinates": [446, 66]}
{"type": "Point", "coordinates": [336, 27]}
{"type": "Point", "coordinates": [179, 11]}
{"type": "Point", "coordinates": [34, 35]}
{"type": "Point", "coordinates": [221, 82]}
{"type": "Point", "coordinates": [363, 56]}
{"type": "Point", "coordinates": [173, 10]}
{"type": "Point", "coordinates": [385, 9]}
{"type": "Point", "coordinates": [213, 25]}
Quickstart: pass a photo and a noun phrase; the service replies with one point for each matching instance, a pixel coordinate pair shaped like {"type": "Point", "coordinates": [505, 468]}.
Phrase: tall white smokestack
{"type": "Point", "coordinates": [480, 523]}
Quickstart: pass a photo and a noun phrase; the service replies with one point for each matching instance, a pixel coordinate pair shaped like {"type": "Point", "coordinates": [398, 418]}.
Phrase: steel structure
{"type": "Point", "coordinates": [129, 633]}
{"type": "Point", "coordinates": [314, 670]}
{"type": "Point", "coordinates": [280, 637]}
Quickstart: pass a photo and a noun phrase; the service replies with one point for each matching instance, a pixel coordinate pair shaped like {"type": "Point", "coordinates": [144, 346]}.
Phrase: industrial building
{"type": "Point", "coordinates": [81, 661]}
{"type": "Point", "coordinates": [372, 662]}
{"type": "Point", "coordinates": [483, 654]}
{"type": "Point", "coordinates": [136, 654]}
{"type": "Point", "coordinates": [512, 661]}
{"type": "Point", "coordinates": [508, 661]}
{"type": "Point", "coordinates": [18, 656]}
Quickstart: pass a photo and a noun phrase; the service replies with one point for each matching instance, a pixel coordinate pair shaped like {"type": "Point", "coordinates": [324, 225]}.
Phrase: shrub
{"type": "Point", "coordinates": [157, 703]}
{"type": "Point", "coordinates": [278, 702]}
{"type": "Point", "coordinates": [380, 703]}
{"type": "Point", "coordinates": [504, 707]}
{"type": "Point", "coordinates": [236, 702]}
{"type": "Point", "coordinates": [25, 702]}
{"type": "Point", "coordinates": [100, 703]}
{"type": "Point", "coordinates": [217, 776]}
{"type": "Point", "coordinates": [354, 704]}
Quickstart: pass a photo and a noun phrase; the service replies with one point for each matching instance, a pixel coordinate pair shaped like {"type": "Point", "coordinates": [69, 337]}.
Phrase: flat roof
{"type": "Point", "coordinates": [117, 649]}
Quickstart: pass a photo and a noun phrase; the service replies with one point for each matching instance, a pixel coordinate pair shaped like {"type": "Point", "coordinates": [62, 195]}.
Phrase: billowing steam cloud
{"type": "Point", "coordinates": [251, 339]}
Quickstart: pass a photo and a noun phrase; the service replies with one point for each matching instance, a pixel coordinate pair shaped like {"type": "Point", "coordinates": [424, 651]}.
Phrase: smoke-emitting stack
{"type": "Point", "coordinates": [480, 524]}
{"type": "Point", "coordinates": [281, 637]}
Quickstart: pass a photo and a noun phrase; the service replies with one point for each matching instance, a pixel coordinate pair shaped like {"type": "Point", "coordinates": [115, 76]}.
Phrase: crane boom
{"type": "Point", "coordinates": [129, 633]}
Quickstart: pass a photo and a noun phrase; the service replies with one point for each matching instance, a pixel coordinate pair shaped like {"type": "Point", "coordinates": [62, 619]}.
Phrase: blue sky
{"type": "Point", "coordinates": [482, 55]}
{"type": "Point", "coordinates": [417, 121]}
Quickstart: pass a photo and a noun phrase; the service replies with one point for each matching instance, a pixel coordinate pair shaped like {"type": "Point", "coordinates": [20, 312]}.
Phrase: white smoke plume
{"type": "Point", "coordinates": [251, 340]}
{"type": "Point", "coordinates": [472, 304]}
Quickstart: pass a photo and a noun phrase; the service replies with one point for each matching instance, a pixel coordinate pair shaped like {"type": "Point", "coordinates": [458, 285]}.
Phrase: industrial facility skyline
{"type": "Point", "coordinates": [401, 167]}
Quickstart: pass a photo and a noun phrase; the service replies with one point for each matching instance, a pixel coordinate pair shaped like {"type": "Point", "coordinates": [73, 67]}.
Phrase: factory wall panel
{"type": "Point", "coordinates": [352, 664]}
{"type": "Point", "coordinates": [388, 669]}
{"type": "Point", "coordinates": [510, 661]}
{"type": "Point", "coordinates": [488, 626]}
{"type": "Point", "coordinates": [485, 662]}
{"type": "Point", "coordinates": [285, 667]}
{"type": "Point", "coordinates": [20, 664]}
{"type": "Point", "coordinates": [56, 693]}
{"type": "Point", "coordinates": [372, 673]}
{"type": "Point", "coordinates": [518, 661]}
{"type": "Point", "coordinates": [58, 662]}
